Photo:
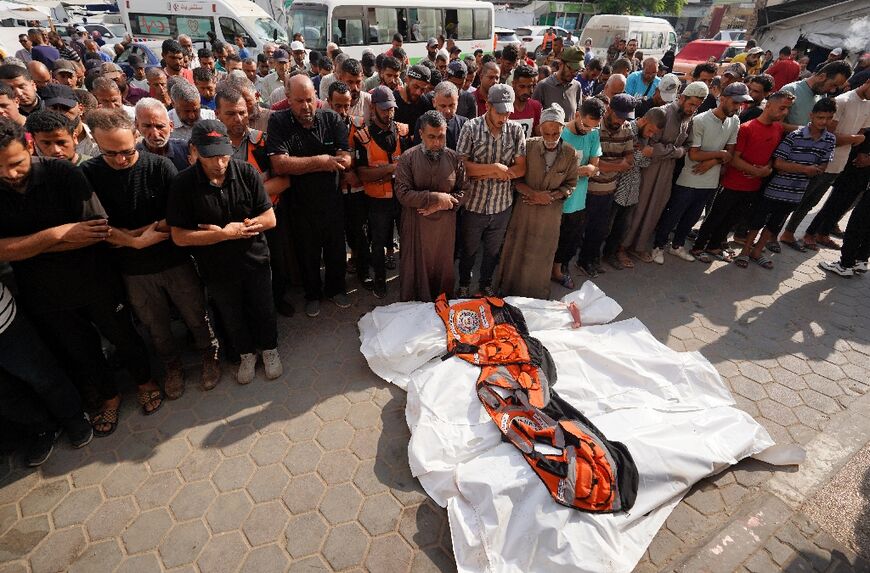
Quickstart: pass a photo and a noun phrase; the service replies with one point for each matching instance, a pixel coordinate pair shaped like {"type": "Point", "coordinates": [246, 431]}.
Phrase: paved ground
{"type": "Point", "coordinates": [309, 473]}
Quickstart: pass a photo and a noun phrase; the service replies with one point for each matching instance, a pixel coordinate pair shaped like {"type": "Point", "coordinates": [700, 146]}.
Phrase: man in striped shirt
{"type": "Point", "coordinates": [803, 155]}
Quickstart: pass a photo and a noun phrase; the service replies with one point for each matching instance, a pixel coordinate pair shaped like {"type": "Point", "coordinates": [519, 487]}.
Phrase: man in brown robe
{"type": "Point", "coordinates": [669, 145]}
{"type": "Point", "coordinates": [429, 180]}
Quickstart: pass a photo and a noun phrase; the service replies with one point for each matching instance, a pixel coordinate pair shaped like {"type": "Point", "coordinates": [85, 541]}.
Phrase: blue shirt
{"type": "Point", "coordinates": [587, 146]}
{"type": "Point", "coordinates": [207, 103]}
{"type": "Point", "coordinates": [635, 86]}
{"type": "Point", "coordinates": [799, 147]}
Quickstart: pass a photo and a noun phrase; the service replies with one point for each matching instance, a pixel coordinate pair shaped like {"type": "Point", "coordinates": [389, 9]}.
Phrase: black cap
{"type": "Point", "coordinates": [58, 94]}
{"type": "Point", "coordinates": [210, 138]}
{"type": "Point", "coordinates": [280, 55]}
{"type": "Point", "coordinates": [623, 106]}
{"type": "Point", "coordinates": [457, 69]}
{"type": "Point", "coordinates": [419, 72]}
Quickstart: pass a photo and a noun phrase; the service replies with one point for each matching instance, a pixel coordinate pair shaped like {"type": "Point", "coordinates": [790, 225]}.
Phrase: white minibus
{"type": "Point", "coordinates": [654, 35]}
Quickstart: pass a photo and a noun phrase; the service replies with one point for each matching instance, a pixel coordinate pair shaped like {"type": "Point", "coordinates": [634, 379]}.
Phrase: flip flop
{"type": "Point", "coordinates": [773, 247]}
{"type": "Point", "coordinates": [147, 397]}
{"type": "Point", "coordinates": [811, 246]}
{"type": "Point", "coordinates": [796, 245]}
{"type": "Point", "coordinates": [108, 416]}
{"type": "Point", "coordinates": [828, 243]}
{"type": "Point", "coordinates": [762, 262]}
{"type": "Point", "coordinates": [724, 255]}
{"type": "Point", "coordinates": [742, 261]}
{"type": "Point", "coordinates": [702, 256]}
{"type": "Point", "coordinates": [625, 260]}
{"type": "Point", "coordinates": [565, 280]}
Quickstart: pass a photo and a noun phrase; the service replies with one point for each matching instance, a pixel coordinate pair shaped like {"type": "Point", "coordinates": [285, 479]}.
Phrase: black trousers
{"type": "Point", "coordinates": [846, 190]}
{"type": "Point", "coordinates": [320, 236]}
{"type": "Point", "coordinates": [383, 215]}
{"type": "Point", "coordinates": [856, 241]}
{"type": "Point", "coordinates": [595, 231]}
{"type": "Point", "coordinates": [74, 337]}
{"type": "Point", "coordinates": [37, 394]}
{"type": "Point", "coordinates": [620, 217]}
{"type": "Point", "coordinates": [728, 209]}
{"type": "Point", "coordinates": [570, 235]}
{"type": "Point", "coordinates": [280, 257]}
{"type": "Point", "coordinates": [247, 310]}
{"type": "Point", "coordinates": [479, 230]}
{"type": "Point", "coordinates": [355, 221]}
{"type": "Point", "coordinates": [816, 189]}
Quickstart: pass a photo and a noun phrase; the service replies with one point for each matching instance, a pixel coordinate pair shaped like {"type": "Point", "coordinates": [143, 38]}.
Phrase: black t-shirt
{"type": "Point", "coordinates": [194, 201]}
{"type": "Point", "coordinates": [409, 113]}
{"type": "Point", "coordinates": [57, 193]}
{"type": "Point", "coordinates": [316, 192]}
{"type": "Point", "coordinates": [467, 105]}
{"type": "Point", "coordinates": [133, 198]}
{"type": "Point", "coordinates": [750, 113]}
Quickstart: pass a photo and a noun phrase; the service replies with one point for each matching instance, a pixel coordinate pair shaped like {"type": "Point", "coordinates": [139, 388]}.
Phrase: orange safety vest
{"type": "Point", "coordinates": [378, 157]}
{"type": "Point", "coordinates": [579, 466]}
{"type": "Point", "coordinates": [257, 157]}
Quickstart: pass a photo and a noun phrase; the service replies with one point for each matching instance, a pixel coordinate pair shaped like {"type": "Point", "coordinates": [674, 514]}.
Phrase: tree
{"type": "Point", "coordinates": [641, 7]}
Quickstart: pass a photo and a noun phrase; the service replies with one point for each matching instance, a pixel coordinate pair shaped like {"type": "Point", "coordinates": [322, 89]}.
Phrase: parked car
{"type": "Point", "coordinates": [730, 35]}
{"type": "Point", "coordinates": [147, 54]}
{"type": "Point", "coordinates": [533, 36]}
{"type": "Point", "coordinates": [505, 36]}
{"type": "Point", "coordinates": [700, 51]}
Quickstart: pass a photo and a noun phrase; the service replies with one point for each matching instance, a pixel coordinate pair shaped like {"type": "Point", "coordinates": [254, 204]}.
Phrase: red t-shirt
{"type": "Point", "coordinates": [784, 72]}
{"type": "Point", "coordinates": [756, 143]}
{"type": "Point", "coordinates": [529, 118]}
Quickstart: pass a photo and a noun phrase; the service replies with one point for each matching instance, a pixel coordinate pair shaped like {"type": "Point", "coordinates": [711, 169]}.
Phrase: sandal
{"type": "Point", "coordinates": [148, 397]}
{"type": "Point", "coordinates": [725, 255]}
{"type": "Point", "coordinates": [644, 257]}
{"type": "Point", "coordinates": [742, 261]}
{"type": "Point", "coordinates": [763, 262]}
{"type": "Point", "coordinates": [796, 245]}
{"type": "Point", "coordinates": [625, 260]}
{"type": "Point", "coordinates": [773, 247]}
{"type": "Point", "coordinates": [828, 242]}
{"type": "Point", "coordinates": [108, 416]}
{"type": "Point", "coordinates": [811, 246]}
{"type": "Point", "coordinates": [565, 280]}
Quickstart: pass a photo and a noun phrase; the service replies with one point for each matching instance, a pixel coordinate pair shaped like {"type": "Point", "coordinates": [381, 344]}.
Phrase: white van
{"type": "Point", "coordinates": [153, 21]}
{"type": "Point", "coordinates": [654, 35]}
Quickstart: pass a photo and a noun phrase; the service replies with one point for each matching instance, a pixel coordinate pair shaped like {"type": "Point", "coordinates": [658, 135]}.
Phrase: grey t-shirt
{"type": "Point", "coordinates": [708, 134]}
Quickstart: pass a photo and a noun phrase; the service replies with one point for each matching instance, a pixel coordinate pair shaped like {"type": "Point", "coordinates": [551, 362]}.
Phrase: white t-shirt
{"type": "Point", "coordinates": [853, 115]}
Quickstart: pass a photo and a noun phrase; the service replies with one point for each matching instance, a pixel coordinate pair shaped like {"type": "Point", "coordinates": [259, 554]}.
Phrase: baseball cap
{"type": "Point", "coordinates": [668, 87]}
{"type": "Point", "coordinates": [572, 55]}
{"type": "Point", "coordinates": [81, 29]}
{"type": "Point", "coordinates": [755, 50]}
{"type": "Point", "coordinates": [64, 66]}
{"type": "Point", "coordinates": [210, 138]}
{"type": "Point", "coordinates": [737, 91]}
{"type": "Point", "coordinates": [58, 94]}
{"type": "Point", "coordinates": [457, 69]}
{"type": "Point", "coordinates": [501, 98]}
{"type": "Point", "coordinates": [109, 70]}
{"type": "Point", "coordinates": [455, 50]}
{"type": "Point", "coordinates": [297, 46]}
{"type": "Point", "coordinates": [419, 72]}
{"type": "Point", "coordinates": [623, 106]}
{"type": "Point", "coordinates": [383, 97]}
{"type": "Point", "coordinates": [696, 89]}
{"type": "Point", "coordinates": [736, 69]}
{"type": "Point", "coordinates": [837, 51]}
{"type": "Point", "coordinates": [280, 55]}
{"type": "Point", "coordinates": [431, 43]}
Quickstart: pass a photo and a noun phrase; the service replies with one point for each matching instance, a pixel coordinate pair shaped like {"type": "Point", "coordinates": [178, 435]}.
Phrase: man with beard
{"type": "Point", "coordinates": [655, 189]}
{"type": "Point", "coordinates": [173, 56]}
{"type": "Point", "coordinates": [589, 75]}
{"type": "Point", "coordinates": [53, 136]}
{"type": "Point", "coordinates": [186, 44]}
{"type": "Point", "coordinates": [494, 151]}
{"type": "Point", "coordinates": [807, 92]}
{"type": "Point", "coordinates": [9, 105]}
{"type": "Point", "coordinates": [488, 78]}
{"type": "Point", "coordinates": [311, 145]}
{"type": "Point", "coordinates": [63, 100]}
{"type": "Point", "coordinates": [431, 49]}
{"type": "Point", "coordinates": [643, 83]}
{"type": "Point", "coordinates": [129, 94]}
{"type": "Point", "coordinates": [377, 148]}
{"type": "Point", "coordinates": [275, 79]}
{"type": "Point", "coordinates": [665, 93]}
{"type": "Point", "coordinates": [351, 74]}
{"type": "Point", "coordinates": [429, 182]}
{"type": "Point", "coordinates": [457, 73]}
{"type": "Point", "coordinates": [22, 82]}
{"type": "Point", "coordinates": [388, 74]}
{"type": "Point", "coordinates": [629, 54]}
{"type": "Point", "coordinates": [760, 87]}
{"type": "Point", "coordinates": [527, 111]}
{"type": "Point", "coordinates": [155, 127]}
{"type": "Point", "coordinates": [712, 143]}
{"type": "Point", "coordinates": [412, 99]}
{"type": "Point", "coordinates": [158, 86]}
{"type": "Point", "coordinates": [445, 100]}
{"type": "Point", "coordinates": [186, 110]}
{"type": "Point", "coordinates": [561, 87]}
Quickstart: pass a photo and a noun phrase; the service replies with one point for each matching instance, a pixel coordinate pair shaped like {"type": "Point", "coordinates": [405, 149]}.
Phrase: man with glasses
{"type": "Point", "coordinates": [24, 54]}
{"type": "Point", "coordinates": [561, 87]}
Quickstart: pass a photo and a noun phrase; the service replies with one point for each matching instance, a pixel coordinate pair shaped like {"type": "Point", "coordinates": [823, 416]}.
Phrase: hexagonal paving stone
{"type": "Point", "coordinates": [270, 449]}
{"type": "Point", "coordinates": [421, 525]}
{"type": "Point", "coordinates": [111, 518]}
{"type": "Point", "coordinates": [168, 455]}
{"type": "Point", "coordinates": [365, 443]}
{"type": "Point", "coordinates": [333, 408]}
{"type": "Point", "coordinates": [784, 395]}
{"type": "Point", "coordinates": [103, 556]}
{"type": "Point", "coordinates": [157, 490]}
{"type": "Point", "coordinates": [58, 550]}
{"type": "Point", "coordinates": [22, 537]}
{"type": "Point", "coordinates": [146, 563]}
{"type": "Point", "coordinates": [124, 479]}
{"type": "Point", "coordinates": [340, 503]}
{"type": "Point", "coordinates": [337, 467]}
{"type": "Point", "coordinates": [268, 483]}
{"type": "Point", "coordinates": [199, 464]}
{"type": "Point", "coordinates": [268, 559]}
{"type": "Point", "coordinates": [237, 440]}
{"type": "Point", "coordinates": [303, 493]}
{"type": "Point", "coordinates": [302, 458]}
{"type": "Point", "coordinates": [265, 523]}
{"type": "Point", "coordinates": [146, 532]}
{"type": "Point", "coordinates": [44, 497]}
{"type": "Point", "coordinates": [304, 534]}
{"type": "Point", "coordinates": [776, 412]}
{"type": "Point", "coordinates": [193, 500]}
{"type": "Point", "coordinates": [365, 415]}
{"type": "Point", "coordinates": [367, 478]}
{"type": "Point", "coordinates": [389, 553]}
{"type": "Point", "coordinates": [747, 388]}
{"type": "Point", "coordinates": [335, 435]}
{"type": "Point", "coordinates": [222, 553]}
{"type": "Point", "coordinates": [183, 543]}
{"type": "Point", "coordinates": [302, 428]}
{"type": "Point", "coordinates": [313, 564]}
{"type": "Point", "coordinates": [826, 369]}
{"type": "Point", "coordinates": [233, 473]}
{"type": "Point", "coordinates": [819, 402]}
{"type": "Point", "coordinates": [380, 514]}
{"type": "Point", "coordinates": [8, 516]}
{"type": "Point", "coordinates": [228, 511]}
{"type": "Point", "coordinates": [345, 546]}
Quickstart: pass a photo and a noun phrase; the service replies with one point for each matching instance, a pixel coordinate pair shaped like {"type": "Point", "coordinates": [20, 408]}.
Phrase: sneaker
{"type": "Point", "coordinates": [658, 256]}
{"type": "Point", "coordinates": [340, 300]}
{"type": "Point", "coordinates": [487, 291]}
{"type": "Point", "coordinates": [41, 448]}
{"type": "Point", "coordinates": [366, 281]}
{"type": "Point", "coordinates": [312, 308]}
{"type": "Point", "coordinates": [836, 268]}
{"type": "Point", "coordinates": [860, 267]}
{"type": "Point", "coordinates": [211, 370]}
{"type": "Point", "coordinates": [80, 432]}
{"type": "Point", "coordinates": [379, 288]}
{"type": "Point", "coordinates": [173, 384]}
{"type": "Point", "coordinates": [272, 364]}
{"type": "Point", "coordinates": [589, 270]}
{"type": "Point", "coordinates": [463, 292]}
{"type": "Point", "coordinates": [681, 253]}
{"type": "Point", "coordinates": [247, 367]}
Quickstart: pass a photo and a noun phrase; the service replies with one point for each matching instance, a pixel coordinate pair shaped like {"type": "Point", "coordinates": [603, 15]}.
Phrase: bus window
{"type": "Point", "coordinates": [310, 21]}
{"type": "Point", "coordinates": [383, 22]}
{"type": "Point", "coordinates": [151, 25]}
{"type": "Point", "coordinates": [231, 29]}
{"type": "Point", "coordinates": [482, 24]}
{"type": "Point", "coordinates": [348, 22]}
{"type": "Point", "coordinates": [425, 23]}
{"type": "Point", "coordinates": [458, 24]}
{"type": "Point", "coordinates": [196, 28]}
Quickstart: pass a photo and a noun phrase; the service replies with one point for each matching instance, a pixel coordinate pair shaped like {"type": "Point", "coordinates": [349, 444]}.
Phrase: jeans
{"type": "Point", "coordinates": [44, 397]}
{"type": "Point", "coordinates": [846, 190]}
{"type": "Point", "coordinates": [683, 210]}
{"type": "Point", "coordinates": [320, 236]}
{"type": "Point", "coordinates": [816, 189]}
{"type": "Point", "coordinates": [570, 234]}
{"type": "Point", "coordinates": [355, 220]}
{"type": "Point", "coordinates": [479, 230]}
{"type": "Point", "coordinates": [856, 241]}
{"type": "Point", "coordinates": [247, 310]}
{"type": "Point", "coordinates": [728, 208]}
{"type": "Point", "coordinates": [595, 231]}
{"type": "Point", "coordinates": [383, 214]}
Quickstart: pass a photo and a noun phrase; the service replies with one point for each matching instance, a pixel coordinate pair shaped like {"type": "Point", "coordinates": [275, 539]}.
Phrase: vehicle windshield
{"type": "Point", "coordinates": [602, 38]}
{"type": "Point", "coordinates": [310, 21]}
{"type": "Point", "coordinates": [117, 30]}
{"type": "Point", "coordinates": [524, 32]}
{"type": "Point", "coordinates": [701, 51]}
{"type": "Point", "coordinates": [266, 29]}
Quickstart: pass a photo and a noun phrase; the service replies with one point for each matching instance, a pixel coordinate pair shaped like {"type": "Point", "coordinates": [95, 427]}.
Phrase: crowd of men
{"type": "Point", "coordinates": [206, 188]}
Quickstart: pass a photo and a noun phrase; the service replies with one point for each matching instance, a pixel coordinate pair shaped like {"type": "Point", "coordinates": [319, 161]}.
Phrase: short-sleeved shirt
{"type": "Point", "coordinates": [45, 54]}
{"type": "Point", "coordinates": [477, 144]}
{"type": "Point", "coordinates": [135, 197]}
{"type": "Point", "coordinates": [799, 147]}
{"type": "Point", "coordinates": [784, 72]}
{"type": "Point", "coordinates": [63, 280]}
{"type": "Point", "coordinates": [409, 113]}
{"type": "Point", "coordinates": [194, 201]}
{"type": "Point", "coordinates": [853, 116]}
{"type": "Point", "coordinates": [587, 146]}
{"type": "Point", "coordinates": [568, 95]}
{"type": "Point", "coordinates": [615, 145]}
{"type": "Point", "coordinates": [805, 99]}
{"type": "Point", "coordinates": [637, 87]}
{"type": "Point", "coordinates": [529, 118]}
{"type": "Point", "coordinates": [182, 131]}
{"type": "Point", "coordinates": [756, 143]}
{"type": "Point", "coordinates": [328, 135]}
{"type": "Point", "coordinates": [709, 133]}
